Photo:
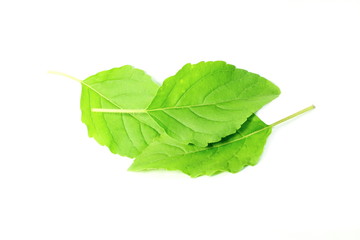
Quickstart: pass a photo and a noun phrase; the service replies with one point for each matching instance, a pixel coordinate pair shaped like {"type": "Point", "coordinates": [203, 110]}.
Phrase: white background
{"type": "Point", "coordinates": [56, 183]}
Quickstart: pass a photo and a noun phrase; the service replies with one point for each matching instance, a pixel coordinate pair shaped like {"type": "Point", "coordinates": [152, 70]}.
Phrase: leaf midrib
{"type": "Point", "coordinates": [255, 132]}
{"type": "Point", "coordinates": [223, 144]}
{"type": "Point", "coordinates": [115, 104]}
{"type": "Point", "coordinates": [123, 110]}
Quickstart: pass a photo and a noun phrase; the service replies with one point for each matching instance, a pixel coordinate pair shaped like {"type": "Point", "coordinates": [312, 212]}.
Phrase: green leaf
{"type": "Point", "coordinates": [207, 101]}
{"type": "Point", "coordinates": [232, 154]}
{"type": "Point", "coordinates": [120, 88]}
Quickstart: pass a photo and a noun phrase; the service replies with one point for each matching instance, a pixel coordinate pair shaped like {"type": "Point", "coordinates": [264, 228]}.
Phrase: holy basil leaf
{"type": "Point", "coordinates": [207, 101]}
{"type": "Point", "coordinates": [120, 88]}
{"type": "Point", "coordinates": [232, 154]}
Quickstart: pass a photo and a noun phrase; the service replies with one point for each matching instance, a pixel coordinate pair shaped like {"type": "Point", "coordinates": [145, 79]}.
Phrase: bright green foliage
{"type": "Point", "coordinates": [231, 154]}
{"type": "Point", "coordinates": [207, 101]}
{"type": "Point", "coordinates": [201, 121]}
{"type": "Point", "coordinates": [126, 87]}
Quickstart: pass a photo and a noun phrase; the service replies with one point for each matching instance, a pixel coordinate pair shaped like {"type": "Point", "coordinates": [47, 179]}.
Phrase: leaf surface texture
{"type": "Point", "coordinates": [120, 88]}
{"type": "Point", "coordinates": [232, 154]}
{"type": "Point", "coordinates": [204, 102]}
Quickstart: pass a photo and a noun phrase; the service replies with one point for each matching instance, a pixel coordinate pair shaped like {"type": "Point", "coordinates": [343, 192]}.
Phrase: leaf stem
{"type": "Point", "coordinates": [118, 110]}
{"type": "Point", "coordinates": [270, 126]}
{"type": "Point", "coordinates": [292, 116]}
{"type": "Point", "coordinates": [144, 110]}
{"type": "Point", "coordinates": [65, 75]}
{"type": "Point", "coordinates": [90, 87]}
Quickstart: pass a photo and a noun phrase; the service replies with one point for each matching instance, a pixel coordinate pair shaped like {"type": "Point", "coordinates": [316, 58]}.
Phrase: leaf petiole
{"type": "Point", "coordinates": [292, 116]}
{"type": "Point", "coordinates": [144, 110]}
{"type": "Point", "coordinates": [271, 125]}
{"type": "Point", "coordinates": [65, 75]}
{"type": "Point", "coordinates": [118, 110]}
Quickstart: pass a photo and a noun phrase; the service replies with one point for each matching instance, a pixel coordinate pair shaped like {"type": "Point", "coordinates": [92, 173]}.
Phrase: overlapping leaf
{"type": "Point", "coordinates": [232, 154]}
{"type": "Point", "coordinates": [201, 121]}
{"type": "Point", "coordinates": [120, 88]}
{"type": "Point", "coordinates": [205, 102]}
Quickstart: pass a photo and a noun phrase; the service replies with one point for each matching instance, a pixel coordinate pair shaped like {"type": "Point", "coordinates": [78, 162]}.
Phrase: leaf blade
{"type": "Point", "coordinates": [119, 88]}
{"type": "Point", "coordinates": [217, 91]}
{"type": "Point", "coordinates": [232, 154]}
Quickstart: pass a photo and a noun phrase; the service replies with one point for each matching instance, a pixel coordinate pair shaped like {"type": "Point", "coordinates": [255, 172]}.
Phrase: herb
{"type": "Point", "coordinates": [205, 102]}
{"type": "Point", "coordinates": [201, 121]}
{"type": "Point", "coordinates": [119, 88]}
{"type": "Point", "coordinates": [232, 154]}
